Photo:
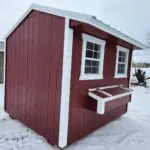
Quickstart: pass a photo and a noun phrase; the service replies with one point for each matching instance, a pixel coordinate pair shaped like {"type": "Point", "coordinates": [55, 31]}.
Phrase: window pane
{"type": "Point", "coordinates": [124, 54]}
{"type": "Point", "coordinates": [89, 53]}
{"type": "Point", "coordinates": [92, 52]}
{"type": "Point", "coordinates": [121, 68]}
{"type": "Point", "coordinates": [89, 45]}
{"type": "Point", "coordinates": [97, 47]}
{"type": "Point", "coordinates": [88, 62]}
{"type": "Point", "coordinates": [95, 63]}
{"type": "Point", "coordinates": [119, 59]}
{"type": "Point", "coordinates": [120, 53]}
{"type": "Point", "coordinates": [96, 55]}
{"type": "Point", "coordinates": [88, 69]}
{"type": "Point", "coordinates": [94, 69]}
{"type": "Point", "coordinates": [122, 59]}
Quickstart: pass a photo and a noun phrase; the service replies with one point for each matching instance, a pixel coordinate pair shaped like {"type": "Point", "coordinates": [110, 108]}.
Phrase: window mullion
{"type": "Point", "coordinates": [87, 58]}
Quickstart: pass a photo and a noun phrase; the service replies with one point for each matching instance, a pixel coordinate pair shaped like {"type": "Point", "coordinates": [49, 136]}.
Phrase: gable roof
{"type": "Point", "coordinates": [1, 45]}
{"type": "Point", "coordinates": [89, 19]}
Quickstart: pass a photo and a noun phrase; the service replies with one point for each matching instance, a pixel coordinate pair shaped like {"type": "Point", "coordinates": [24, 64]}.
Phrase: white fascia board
{"type": "Point", "coordinates": [61, 13]}
{"type": "Point", "coordinates": [83, 18]}
{"type": "Point", "coordinates": [53, 11]}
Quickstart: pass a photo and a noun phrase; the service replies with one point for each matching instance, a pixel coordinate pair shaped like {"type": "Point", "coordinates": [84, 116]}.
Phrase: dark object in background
{"type": "Point", "coordinates": [1, 67]}
{"type": "Point", "coordinates": [140, 75]}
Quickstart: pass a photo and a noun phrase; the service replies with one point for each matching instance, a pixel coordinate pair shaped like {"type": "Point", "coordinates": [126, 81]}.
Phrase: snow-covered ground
{"type": "Point", "coordinates": [129, 132]}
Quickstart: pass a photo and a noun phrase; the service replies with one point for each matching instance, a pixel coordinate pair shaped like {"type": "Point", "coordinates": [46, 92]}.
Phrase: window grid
{"type": "Point", "coordinates": [92, 58]}
{"type": "Point", "coordinates": [122, 58]}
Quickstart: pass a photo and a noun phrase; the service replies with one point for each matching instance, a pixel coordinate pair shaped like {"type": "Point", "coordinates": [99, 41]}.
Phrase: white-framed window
{"type": "Point", "coordinates": [92, 58]}
{"type": "Point", "coordinates": [121, 62]}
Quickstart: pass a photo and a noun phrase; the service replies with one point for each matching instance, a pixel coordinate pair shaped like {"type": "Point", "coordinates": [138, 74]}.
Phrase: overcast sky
{"type": "Point", "coordinates": [129, 16]}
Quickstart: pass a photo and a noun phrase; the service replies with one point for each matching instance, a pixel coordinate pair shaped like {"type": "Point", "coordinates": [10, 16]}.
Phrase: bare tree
{"type": "Point", "coordinates": [141, 77]}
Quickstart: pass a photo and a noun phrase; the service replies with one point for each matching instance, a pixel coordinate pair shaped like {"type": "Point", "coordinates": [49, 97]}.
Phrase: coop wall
{"type": "Point", "coordinates": [83, 120]}
{"type": "Point", "coordinates": [34, 57]}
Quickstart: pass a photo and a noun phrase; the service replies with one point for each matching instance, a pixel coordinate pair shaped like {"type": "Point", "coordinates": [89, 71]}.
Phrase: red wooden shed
{"type": "Point", "coordinates": [67, 74]}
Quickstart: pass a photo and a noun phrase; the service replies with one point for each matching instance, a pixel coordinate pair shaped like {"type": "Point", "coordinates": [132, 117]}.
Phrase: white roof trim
{"type": "Point", "coordinates": [80, 17]}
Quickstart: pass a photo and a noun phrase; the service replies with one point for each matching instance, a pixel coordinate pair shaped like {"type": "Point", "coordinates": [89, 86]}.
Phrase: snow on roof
{"type": "Point", "coordinates": [1, 45]}
{"type": "Point", "coordinates": [89, 19]}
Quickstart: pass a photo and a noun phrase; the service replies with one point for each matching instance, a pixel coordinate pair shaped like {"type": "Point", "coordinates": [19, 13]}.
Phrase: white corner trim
{"type": "Point", "coordinates": [65, 87]}
{"type": "Point", "coordinates": [120, 48]}
{"type": "Point", "coordinates": [87, 38]}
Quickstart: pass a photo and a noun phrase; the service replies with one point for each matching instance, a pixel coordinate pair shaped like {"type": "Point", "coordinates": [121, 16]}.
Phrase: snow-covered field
{"type": "Point", "coordinates": [129, 132]}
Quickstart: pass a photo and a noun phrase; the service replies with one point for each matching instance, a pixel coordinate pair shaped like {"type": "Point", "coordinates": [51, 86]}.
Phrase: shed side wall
{"type": "Point", "coordinates": [81, 120]}
{"type": "Point", "coordinates": [34, 72]}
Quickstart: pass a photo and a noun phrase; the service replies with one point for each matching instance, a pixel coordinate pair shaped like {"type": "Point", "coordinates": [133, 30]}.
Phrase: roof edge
{"type": "Point", "coordinates": [118, 34]}
{"type": "Point", "coordinates": [80, 17]}
{"type": "Point", "coordinates": [18, 22]}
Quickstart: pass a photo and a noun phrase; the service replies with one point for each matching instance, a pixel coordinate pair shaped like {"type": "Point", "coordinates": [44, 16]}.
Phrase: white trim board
{"type": "Point", "coordinates": [102, 101]}
{"type": "Point", "coordinates": [81, 17]}
{"type": "Point", "coordinates": [65, 87]}
{"type": "Point", "coordinates": [85, 76]}
{"type": "Point", "coordinates": [123, 49]}
{"type": "Point", "coordinates": [130, 77]}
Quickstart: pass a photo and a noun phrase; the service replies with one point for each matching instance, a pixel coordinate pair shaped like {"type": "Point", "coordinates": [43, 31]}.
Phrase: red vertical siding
{"type": "Point", "coordinates": [33, 73]}
{"type": "Point", "coordinates": [82, 120]}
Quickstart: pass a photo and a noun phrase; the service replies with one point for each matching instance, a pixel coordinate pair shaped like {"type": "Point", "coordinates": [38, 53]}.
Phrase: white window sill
{"type": "Point", "coordinates": [120, 76]}
{"type": "Point", "coordinates": [91, 77]}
